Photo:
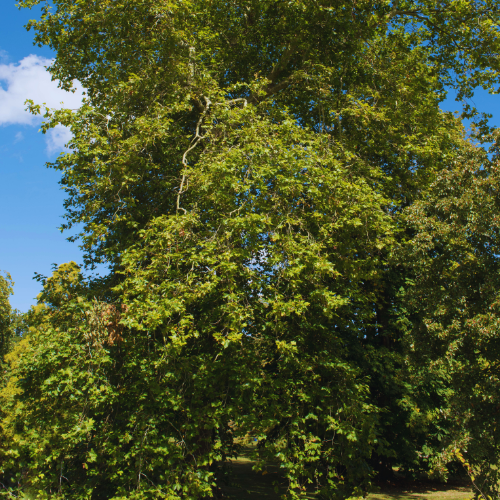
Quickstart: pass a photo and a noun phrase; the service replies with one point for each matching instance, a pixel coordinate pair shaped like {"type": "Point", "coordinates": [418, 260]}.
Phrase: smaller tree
{"type": "Point", "coordinates": [12, 328]}
{"type": "Point", "coordinates": [453, 303]}
{"type": "Point", "coordinates": [7, 316]}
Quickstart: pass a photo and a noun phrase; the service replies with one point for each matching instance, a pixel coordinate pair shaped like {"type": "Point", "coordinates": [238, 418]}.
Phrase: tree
{"type": "Point", "coordinates": [12, 328]}
{"type": "Point", "coordinates": [6, 331]}
{"type": "Point", "coordinates": [11, 320]}
{"type": "Point", "coordinates": [243, 168]}
{"type": "Point", "coordinates": [452, 299]}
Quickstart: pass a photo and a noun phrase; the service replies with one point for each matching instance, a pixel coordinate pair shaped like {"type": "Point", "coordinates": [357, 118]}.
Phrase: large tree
{"type": "Point", "coordinates": [244, 169]}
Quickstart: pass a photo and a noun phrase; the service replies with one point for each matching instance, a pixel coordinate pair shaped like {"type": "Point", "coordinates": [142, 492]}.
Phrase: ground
{"type": "Point", "coordinates": [250, 485]}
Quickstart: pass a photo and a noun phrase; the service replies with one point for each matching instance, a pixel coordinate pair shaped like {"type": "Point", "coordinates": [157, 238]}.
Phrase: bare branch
{"type": "Point", "coordinates": [194, 142]}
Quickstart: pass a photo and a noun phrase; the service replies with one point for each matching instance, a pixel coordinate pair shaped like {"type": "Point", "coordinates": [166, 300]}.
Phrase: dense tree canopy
{"type": "Point", "coordinates": [302, 249]}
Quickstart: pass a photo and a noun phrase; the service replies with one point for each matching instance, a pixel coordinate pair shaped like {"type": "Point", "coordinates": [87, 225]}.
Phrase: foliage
{"type": "Point", "coordinates": [12, 323]}
{"type": "Point", "coordinates": [453, 300]}
{"type": "Point", "coordinates": [5, 315]}
{"type": "Point", "coordinates": [12, 328]}
{"type": "Point", "coordinates": [248, 170]}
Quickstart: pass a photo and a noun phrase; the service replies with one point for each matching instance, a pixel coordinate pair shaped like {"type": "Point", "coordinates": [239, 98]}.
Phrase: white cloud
{"type": "Point", "coordinates": [29, 79]}
{"type": "Point", "coordinates": [57, 138]}
{"type": "Point", "coordinates": [18, 137]}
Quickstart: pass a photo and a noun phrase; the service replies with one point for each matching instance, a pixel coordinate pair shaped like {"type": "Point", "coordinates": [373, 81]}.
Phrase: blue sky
{"type": "Point", "coordinates": [31, 201]}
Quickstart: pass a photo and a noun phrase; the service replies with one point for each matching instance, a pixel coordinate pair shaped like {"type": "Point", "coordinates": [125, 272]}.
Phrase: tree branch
{"type": "Point", "coordinates": [285, 58]}
{"type": "Point", "coordinates": [194, 142]}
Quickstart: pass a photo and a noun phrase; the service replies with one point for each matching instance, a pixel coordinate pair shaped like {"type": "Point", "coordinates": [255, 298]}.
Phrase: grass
{"type": "Point", "coordinates": [250, 485]}
{"type": "Point", "coordinates": [423, 491]}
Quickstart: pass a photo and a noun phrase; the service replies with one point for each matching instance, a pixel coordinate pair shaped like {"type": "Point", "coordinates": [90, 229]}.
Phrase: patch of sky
{"type": "Point", "coordinates": [31, 201]}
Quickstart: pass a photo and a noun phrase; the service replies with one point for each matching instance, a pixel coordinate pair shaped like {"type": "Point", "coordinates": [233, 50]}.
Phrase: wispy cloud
{"type": "Point", "coordinates": [28, 79]}
{"type": "Point", "coordinates": [57, 138]}
{"type": "Point", "coordinates": [18, 137]}
{"type": "Point", "coordinates": [19, 157]}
